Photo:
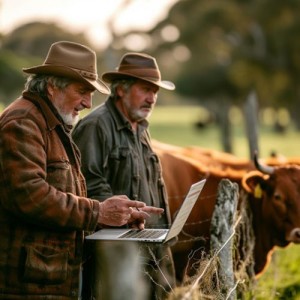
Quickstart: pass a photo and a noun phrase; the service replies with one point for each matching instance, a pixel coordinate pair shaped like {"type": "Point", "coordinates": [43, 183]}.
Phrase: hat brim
{"type": "Point", "coordinates": [110, 76]}
{"type": "Point", "coordinates": [63, 71]}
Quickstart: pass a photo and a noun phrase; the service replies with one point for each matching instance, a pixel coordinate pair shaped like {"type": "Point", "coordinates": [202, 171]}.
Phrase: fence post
{"type": "Point", "coordinates": [251, 122]}
{"type": "Point", "coordinates": [221, 231]}
{"type": "Point", "coordinates": [118, 272]}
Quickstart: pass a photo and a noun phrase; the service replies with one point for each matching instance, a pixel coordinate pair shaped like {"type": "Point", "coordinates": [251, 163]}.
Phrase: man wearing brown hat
{"type": "Point", "coordinates": [44, 211]}
{"type": "Point", "coordinates": [117, 156]}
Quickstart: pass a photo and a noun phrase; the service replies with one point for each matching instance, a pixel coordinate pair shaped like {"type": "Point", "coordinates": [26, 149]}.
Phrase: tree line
{"type": "Point", "coordinates": [217, 53]}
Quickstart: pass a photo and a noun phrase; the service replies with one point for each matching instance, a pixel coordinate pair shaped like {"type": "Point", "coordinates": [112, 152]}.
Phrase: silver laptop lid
{"type": "Point", "coordinates": [185, 209]}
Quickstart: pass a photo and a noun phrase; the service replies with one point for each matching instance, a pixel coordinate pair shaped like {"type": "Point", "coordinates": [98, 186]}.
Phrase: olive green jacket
{"type": "Point", "coordinates": [116, 161]}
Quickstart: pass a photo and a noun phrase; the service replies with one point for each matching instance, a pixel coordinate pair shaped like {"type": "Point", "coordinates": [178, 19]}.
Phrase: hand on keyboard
{"type": "Point", "coordinates": [139, 216]}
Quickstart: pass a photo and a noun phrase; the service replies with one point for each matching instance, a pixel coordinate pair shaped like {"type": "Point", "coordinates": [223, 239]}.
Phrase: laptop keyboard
{"type": "Point", "coordinates": [137, 234]}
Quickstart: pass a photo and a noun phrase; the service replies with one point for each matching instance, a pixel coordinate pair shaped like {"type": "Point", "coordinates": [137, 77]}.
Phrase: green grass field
{"type": "Point", "coordinates": [175, 125]}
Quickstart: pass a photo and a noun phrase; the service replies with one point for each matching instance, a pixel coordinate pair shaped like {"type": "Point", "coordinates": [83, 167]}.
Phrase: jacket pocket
{"type": "Point", "coordinates": [119, 166]}
{"type": "Point", "coordinates": [59, 175]}
{"type": "Point", "coordinates": [45, 265]}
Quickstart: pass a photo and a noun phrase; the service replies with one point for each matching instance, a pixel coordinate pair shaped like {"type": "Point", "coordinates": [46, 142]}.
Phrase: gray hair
{"type": "Point", "coordinates": [38, 83]}
{"type": "Point", "coordinates": [126, 84]}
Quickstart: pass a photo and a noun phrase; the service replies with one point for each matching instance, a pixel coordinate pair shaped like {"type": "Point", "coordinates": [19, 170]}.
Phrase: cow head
{"type": "Point", "coordinates": [276, 194]}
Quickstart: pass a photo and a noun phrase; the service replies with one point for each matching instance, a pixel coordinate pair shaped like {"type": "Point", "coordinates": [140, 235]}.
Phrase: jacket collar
{"type": "Point", "coordinates": [48, 110]}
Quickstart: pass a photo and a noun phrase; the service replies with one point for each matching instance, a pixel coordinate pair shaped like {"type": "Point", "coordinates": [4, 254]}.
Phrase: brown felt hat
{"type": "Point", "coordinates": [72, 60]}
{"type": "Point", "coordinates": [141, 66]}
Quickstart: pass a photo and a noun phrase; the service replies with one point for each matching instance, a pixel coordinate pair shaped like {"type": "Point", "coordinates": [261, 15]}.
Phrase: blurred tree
{"type": "Point", "coordinates": [27, 46]}
{"type": "Point", "coordinates": [11, 77]}
{"type": "Point", "coordinates": [239, 45]}
{"type": "Point", "coordinates": [34, 39]}
{"type": "Point", "coordinates": [280, 22]}
{"type": "Point", "coordinates": [225, 49]}
{"type": "Point", "coordinates": [216, 51]}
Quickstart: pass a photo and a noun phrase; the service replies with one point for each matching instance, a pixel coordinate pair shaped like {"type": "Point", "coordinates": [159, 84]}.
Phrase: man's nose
{"type": "Point", "coordinates": [152, 97]}
{"type": "Point", "coordinates": [87, 101]}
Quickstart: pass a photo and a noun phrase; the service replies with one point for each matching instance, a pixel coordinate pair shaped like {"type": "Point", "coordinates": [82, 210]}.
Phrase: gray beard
{"type": "Point", "coordinates": [69, 119]}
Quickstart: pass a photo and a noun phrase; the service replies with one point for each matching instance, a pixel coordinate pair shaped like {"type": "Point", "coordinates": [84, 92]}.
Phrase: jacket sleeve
{"type": "Point", "coordinates": [26, 192]}
{"type": "Point", "coordinates": [93, 145]}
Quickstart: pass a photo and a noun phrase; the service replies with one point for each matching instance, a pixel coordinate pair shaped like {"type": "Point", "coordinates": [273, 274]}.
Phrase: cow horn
{"type": "Point", "coordinates": [262, 168]}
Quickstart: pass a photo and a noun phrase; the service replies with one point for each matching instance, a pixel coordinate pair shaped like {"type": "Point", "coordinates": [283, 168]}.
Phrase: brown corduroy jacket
{"type": "Point", "coordinates": [43, 208]}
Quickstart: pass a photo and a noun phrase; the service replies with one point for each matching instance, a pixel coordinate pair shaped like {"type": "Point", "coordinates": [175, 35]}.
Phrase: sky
{"type": "Point", "coordinates": [88, 16]}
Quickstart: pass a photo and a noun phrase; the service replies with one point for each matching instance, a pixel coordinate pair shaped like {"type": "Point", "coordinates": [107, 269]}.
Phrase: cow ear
{"type": "Point", "coordinates": [252, 182]}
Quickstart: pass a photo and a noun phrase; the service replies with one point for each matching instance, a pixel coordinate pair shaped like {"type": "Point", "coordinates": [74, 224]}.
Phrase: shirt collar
{"type": "Point", "coordinates": [49, 111]}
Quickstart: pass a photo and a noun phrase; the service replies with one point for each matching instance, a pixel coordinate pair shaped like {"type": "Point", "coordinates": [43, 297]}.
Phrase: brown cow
{"type": "Point", "coordinates": [273, 195]}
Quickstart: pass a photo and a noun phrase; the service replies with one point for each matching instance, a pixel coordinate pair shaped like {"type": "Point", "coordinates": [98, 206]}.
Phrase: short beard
{"type": "Point", "coordinates": [135, 115]}
{"type": "Point", "coordinates": [69, 119]}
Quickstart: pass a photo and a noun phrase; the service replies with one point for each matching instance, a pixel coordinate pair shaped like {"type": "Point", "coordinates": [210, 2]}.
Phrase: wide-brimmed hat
{"type": "Point", "coordinates": [72, 60]}
{"type": "Point", "coordinates": [141, 66]}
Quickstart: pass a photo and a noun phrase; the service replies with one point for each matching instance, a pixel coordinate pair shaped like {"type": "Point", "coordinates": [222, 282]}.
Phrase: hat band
{"type": "Point", "coordinates": [87, 74]}
{"type": "Point", "coordinates": [152, 74]}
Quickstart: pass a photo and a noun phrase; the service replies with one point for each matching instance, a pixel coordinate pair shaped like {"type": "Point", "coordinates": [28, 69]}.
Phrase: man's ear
{"type": "Point", "coordinates": [252, 183]}
{"type": "Point", "coordinates": [50, 89]}
{"type": "Point", "coordinates": [120, 91]}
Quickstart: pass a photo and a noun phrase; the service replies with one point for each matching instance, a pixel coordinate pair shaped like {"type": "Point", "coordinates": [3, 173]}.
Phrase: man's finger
{"type": "Point", "coordinates": [153, 210]}
{"type": "Point", "coordinates": [139, 214]}
{"type": "Point", "coordinates": [136, 204]}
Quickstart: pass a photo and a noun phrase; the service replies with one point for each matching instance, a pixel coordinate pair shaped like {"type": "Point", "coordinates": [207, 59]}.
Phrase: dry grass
{"type": "Point", "coordinates": [206, 284]}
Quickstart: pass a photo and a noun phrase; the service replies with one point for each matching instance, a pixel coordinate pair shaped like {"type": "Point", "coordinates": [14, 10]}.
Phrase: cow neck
{"type": "Point", "coordinates": [264, 244]}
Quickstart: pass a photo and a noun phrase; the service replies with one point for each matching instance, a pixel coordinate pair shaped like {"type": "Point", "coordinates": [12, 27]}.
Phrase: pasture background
{"type": "Point", "coordinates": [176, 125]}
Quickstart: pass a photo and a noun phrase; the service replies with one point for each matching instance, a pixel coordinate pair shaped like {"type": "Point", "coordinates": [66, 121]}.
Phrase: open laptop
{"type": "Point", "coordinates": [154, 235]}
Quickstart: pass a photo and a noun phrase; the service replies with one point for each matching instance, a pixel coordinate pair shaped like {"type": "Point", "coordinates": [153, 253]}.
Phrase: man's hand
{"type": "Point", "coordinates": [117, 210]}
{"type": "Point", "coordinates": [139, 215]}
